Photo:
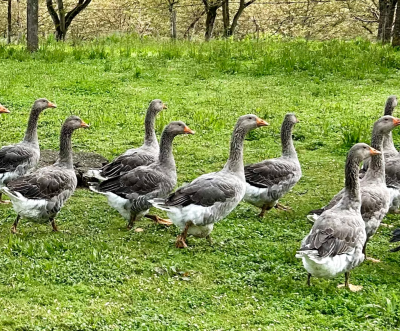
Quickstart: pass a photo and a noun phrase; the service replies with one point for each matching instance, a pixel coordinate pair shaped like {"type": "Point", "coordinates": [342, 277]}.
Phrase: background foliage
{"type": "Point", "coordinates": [325, 19]}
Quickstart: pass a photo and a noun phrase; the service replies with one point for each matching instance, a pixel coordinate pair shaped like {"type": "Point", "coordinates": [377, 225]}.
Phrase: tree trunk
{"type": "Point", "coordinates": [172, 17]}
{"type": "Point", "coordinates": [225, 17]}
{"type": "Point", "coordinates": [9, 23]}
{"type": "Point", "coordinates": [210, 20]}
{"type": "Point", "coordinates": [390, 20]}
{"type": "Point", "coordinates": [396, 29]}
{"type": "Point", "coordinates": [382, 15]}
{"type": "Point", "coordinates": [386, 17]}
{"type": "Point", "coordinates": [62, 21]}
{"type": "Point", "coordinates": [242, 6]}
{"type": "Point", "coordinates": [61, 13]}
{"type": "Point", "coordinates": [32, 23]}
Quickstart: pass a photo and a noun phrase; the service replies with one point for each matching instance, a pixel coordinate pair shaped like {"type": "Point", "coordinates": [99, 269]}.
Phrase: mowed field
{"type": "Point", "coordinates": [96, 275]}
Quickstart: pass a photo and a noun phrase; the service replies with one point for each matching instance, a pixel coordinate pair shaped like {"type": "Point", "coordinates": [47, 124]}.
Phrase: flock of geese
{"type": "Point", "coordinates": [146, 176]}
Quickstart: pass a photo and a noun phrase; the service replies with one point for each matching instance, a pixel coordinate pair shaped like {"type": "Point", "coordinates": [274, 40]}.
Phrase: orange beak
{"type": "Point", "coordinates": [164, 106]}
{"type": "Point", "coordinates": [374, 151]}
{"type": "Point", "coordinates": [187, 130]}
{"type": "Point", "coordinates": [261, 122]}
{"type": "Point", "coordinates": [51, 105]}
{"type": "Point", "coordinates": [396, 121]}
{"type": "Point", "coordinates": [84, 125]}
{"type": "Point", "coordinates": [3, 110]}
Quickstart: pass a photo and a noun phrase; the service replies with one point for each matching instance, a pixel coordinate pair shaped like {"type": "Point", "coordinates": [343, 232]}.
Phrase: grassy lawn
{"type": "Point", "coordinates": [95, 275]}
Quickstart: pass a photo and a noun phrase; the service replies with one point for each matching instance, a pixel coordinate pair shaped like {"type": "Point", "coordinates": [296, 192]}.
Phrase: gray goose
{"type": "Point", "coordinates": [270, 180]}
{"type": "Point", "coordinates": [395, 238]}
{"type": "Point", "coordinates": [375, 196]}
{"type": "Point", "coordinates": [39, 196]}
{"type": "Point", "coordinates": [388, 146]}
{"type": "Point", "coordinates": [336, 241]}
{"type": "Point", "coordinates": [195, 207]}
{"type": "Point", "coordinates": [16, 160]}
{"type": "Point", "coordinates": [130, 193]}
{"type": "Point", "coordinates": [135, 157]}
{"type": "Point", "coordinates": [3, 110]}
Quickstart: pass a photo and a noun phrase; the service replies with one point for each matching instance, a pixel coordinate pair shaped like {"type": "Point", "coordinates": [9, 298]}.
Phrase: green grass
{"type": "Point", "coordinates": [97, 276]}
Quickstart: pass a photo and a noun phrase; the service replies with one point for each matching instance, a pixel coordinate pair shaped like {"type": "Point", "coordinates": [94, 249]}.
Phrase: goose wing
{"type": "Point", "coordinates": [333, 235]}
{"type": "Point", "coordinates": [13, 156]}
{"type": "Point", "coordinates": [392, 171]}
{"type": "Point", "coordinates": [204, 191]}
{"type": "Point", "coordinates": [140, 181]}
{"type": "Point", "coordinates": [270, 172]}
{"type": "Point", "coordinates": [124, 163]}
{"type": "Point", "coordinates": [44, 184]}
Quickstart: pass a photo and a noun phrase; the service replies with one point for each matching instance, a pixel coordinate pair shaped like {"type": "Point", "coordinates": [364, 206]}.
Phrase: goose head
{"type": "Point", "coordinates": [73, 123]}
{"type": "Point", "coordinates": [291, 119]}
{"type": "Point", "coordinates": [249, 122]}
{"type": "Point", "coordinates": [361, 151]}
{"type": "Point", "coordinates": [386, 124]}
{"type": "Point", "coordinates": [42, 104]}
{"type": "Point", "coordinates": [178, 127]}
{"type": "Point", "coordinates": [157, 105]}
{"type": "Point", "coordinates": [3, 110]}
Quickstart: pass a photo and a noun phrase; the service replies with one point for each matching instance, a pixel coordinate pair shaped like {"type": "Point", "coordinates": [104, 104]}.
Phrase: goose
{"type": "Point", "coordinates": [395, 238]}
{"type": "Point", "coordinates": [129, 193]}
{"type": "Point", "coordinates": [39, 196]}
{"type": "Point", "coordinates": [392, 170]}
{"type": "Point", "coordinates": [195, 207]}
{"type": "Point", "coordinates": [3, 110]}
{"type": "Point", "coordinates": [388, 146]}
{"type": "Point", "coordinates": [135, 157]}
{"type": "Point", "coordinates": [270, 180]}
{"type": "Point", "coordinates": [16, 160]}
{"type": "Point", "coordinates": [375, 196]}
{"type": "Point", "coordinates": [336, 241]}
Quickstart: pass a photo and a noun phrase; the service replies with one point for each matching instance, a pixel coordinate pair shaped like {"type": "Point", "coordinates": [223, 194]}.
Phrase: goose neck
{"type": "Point", "coordinates": [288, 149]}
{"type": "Point", "coordinates": [65, 156]}
{"type": "Point", "coordinates": [31, 135]}
{"type": "Point", "coordinates": [388, 108]}
{"type": "Point", "coordinates": [235, 160]}
{"type": "Point", "coordinates": [376, 169]}
{"type": "Point", "coordinates": [150, 138]}
{"type": "Point", "coordinates": [166, 157]}
{"type": "Point", "coordinates": [388, 144]}
{"type": "Point", "coordinates": [352, 198]}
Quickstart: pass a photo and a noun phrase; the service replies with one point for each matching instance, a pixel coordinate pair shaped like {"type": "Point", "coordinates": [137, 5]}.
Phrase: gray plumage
{"type": "Point", "coordinates": [135, 157]}
{"type": "Point", "coordinates": [388, 147]}
{"type": "Point", "coordinates": [336, 240]}
{"type": "Point", "coordinates": [16, 160]}
{"type": "Point", "coordinates": [130, 193]}
{"type": "Point", "coordinates": [270, 180]}
{"type": "Point", "coordinates": [375, 196]}
{"type": "Point", "coordinates": [395, 238]}
{"type": "Point", "coordinates": [41, 194]}
{"type": "Point", "coordinates": [209, 198]}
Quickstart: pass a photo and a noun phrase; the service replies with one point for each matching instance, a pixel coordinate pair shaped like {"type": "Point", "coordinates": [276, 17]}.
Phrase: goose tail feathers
{"type": "Point", "coordinates": [159, 203]}
{"type": "Point", "coordinates": [95, 174]}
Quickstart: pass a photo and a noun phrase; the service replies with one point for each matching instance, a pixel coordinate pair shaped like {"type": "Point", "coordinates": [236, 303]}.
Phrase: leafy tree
{"type": "Point", "coordinates": [229, 28]}
{"type": "Point", "coordinates": [63, 20]}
